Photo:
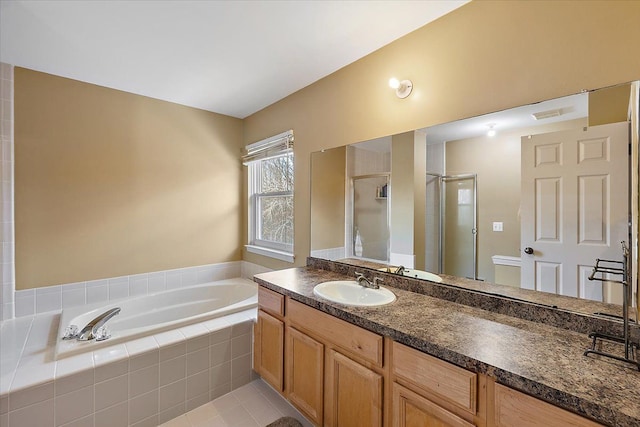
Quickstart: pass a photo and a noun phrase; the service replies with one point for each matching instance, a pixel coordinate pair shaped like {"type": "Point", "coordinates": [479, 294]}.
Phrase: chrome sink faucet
{"type": "Point", "coordinates": [363, 281]}
{"type": "Point", "coordinates": [90, 331]}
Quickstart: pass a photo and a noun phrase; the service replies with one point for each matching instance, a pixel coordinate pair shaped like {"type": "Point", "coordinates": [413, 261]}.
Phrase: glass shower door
{"type": "Point", "coordinates": [451, 233]}
{"type": "Point", "coordinates": [459, 225]}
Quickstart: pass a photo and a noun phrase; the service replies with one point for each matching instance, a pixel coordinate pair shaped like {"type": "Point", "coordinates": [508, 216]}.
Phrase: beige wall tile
{"type": "Point", "coordinates": [111, 370]}
{"type": "Point", "coordinates": [115, 416]}
{"type": "Point", "coordinates": [111, 392]}
{"type": "Point", "coordinates": [74, 382]}
{"type": "Point", "coordinates": [197, 384]}
{"type": "Point", "coordinates": [143, 406]}
{"type": "Point", "coordinates": [144, 380]}
{"type": "Point", "coordinates": [241, 345]}
{"type": "Point", "coordinates": [220, 353]}
{"type": "Point", "coordinates": [172, 395]}
{"type": "Point", "coordinates": [74, 405]}
{"type": "Point", "coordinates": [29, 396]}
{"type": "Point", "coordinates": [144, 360]}
{"type": "Point", "coordinates": [40, 414]}
{"type": "Point", "coordinates": [172, 370]}
{"type": "Point", "coordinates": [198, 361]}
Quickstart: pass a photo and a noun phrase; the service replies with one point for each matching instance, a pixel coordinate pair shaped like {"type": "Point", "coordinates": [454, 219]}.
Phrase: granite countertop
{"type": "Point", "coordinates": [538, 359]}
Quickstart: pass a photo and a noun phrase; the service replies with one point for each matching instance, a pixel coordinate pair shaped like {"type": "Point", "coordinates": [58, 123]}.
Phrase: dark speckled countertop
{"type": "Point", "coordinates": [538, 359]}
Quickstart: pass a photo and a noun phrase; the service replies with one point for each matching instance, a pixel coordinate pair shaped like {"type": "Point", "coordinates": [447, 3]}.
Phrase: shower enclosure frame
{"type": "Point", "coordinates": [442, 179]}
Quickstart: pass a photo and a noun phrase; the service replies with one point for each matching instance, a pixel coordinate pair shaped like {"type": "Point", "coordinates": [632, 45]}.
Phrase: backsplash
{"type": "Point", "coordinates": [535, 312]}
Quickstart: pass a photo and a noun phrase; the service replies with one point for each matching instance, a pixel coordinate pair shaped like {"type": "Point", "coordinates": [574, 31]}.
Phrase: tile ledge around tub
{"type": "Point", "coordinates": [43, 369]}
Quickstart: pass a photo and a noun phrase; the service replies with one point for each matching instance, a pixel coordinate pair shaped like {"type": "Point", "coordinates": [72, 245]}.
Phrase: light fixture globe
{"type": "Point", "coordinates": [403, 88]}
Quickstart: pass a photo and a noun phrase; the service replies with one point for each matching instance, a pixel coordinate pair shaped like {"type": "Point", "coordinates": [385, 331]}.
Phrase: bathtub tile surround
{"type": "Point", "coordinates": [7, 272]}
{"type": "Point", "coordinates": [52, 298]}
{"type": "Point", "coordinates": [148, 381]}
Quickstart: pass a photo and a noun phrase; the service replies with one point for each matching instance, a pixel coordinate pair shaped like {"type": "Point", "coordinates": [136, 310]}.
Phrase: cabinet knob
{"type": "Point", "coordinates": [528, 250]}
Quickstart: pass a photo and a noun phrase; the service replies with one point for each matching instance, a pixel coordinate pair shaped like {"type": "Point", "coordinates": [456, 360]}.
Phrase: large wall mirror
{"type": "Point", "coordinates": [525, 198]}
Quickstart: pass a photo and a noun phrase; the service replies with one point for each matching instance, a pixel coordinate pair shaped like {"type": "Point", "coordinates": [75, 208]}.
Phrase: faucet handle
{"type": "Point", "coordinates": [377, 281]}
{"type": "Point", "coordinates": [102, 333]}
{"type": "Point", "coordinates": [70, 332]}
{"type": "Point", "coordinates": [359, 275]}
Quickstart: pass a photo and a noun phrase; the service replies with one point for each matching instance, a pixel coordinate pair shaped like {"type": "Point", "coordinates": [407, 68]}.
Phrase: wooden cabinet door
{"type": "Point", "coordinates": [305, 374]}
{"type": "Point", "coordinates": [269, 349]}
{"type": "Point", "coordinates": [412, 410]}
{"type": "Point", "coordinates": [513, 408]}
{"type": "Point", "coordinates": [354, 394]}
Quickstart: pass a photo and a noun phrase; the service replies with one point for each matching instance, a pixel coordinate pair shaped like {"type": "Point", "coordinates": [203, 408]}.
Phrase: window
{"type": "Point", "coordinates": [270, 168]}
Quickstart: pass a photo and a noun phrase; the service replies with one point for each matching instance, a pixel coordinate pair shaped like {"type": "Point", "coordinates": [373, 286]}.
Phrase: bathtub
{"type": "Point", "coordinates": [153, 313]}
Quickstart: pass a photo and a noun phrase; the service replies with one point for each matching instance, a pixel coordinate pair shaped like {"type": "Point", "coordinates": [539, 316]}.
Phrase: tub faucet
{"type": "Point", "coordinates": [89, 332]}
{"type": "Point", "coordinates": [400, 270]}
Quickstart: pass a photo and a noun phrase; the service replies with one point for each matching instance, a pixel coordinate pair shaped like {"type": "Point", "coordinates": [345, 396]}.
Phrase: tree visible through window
{"type": "Point", "coordinates": [271, 189]}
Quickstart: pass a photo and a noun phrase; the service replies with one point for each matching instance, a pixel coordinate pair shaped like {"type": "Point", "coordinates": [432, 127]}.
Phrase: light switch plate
{"type": "Point", "coordinates": [497, 226]}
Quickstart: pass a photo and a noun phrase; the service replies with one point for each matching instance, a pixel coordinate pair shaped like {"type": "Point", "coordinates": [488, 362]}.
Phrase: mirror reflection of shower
{"type": "Point", "coordinates": [451, 224]}
{"type": "Point", "coordinates": [370, 217]}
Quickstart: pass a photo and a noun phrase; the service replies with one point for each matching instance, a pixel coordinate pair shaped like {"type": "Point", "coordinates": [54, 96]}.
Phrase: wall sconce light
{"type": "Point", "coordinates": [403, 88]}
{"type": "Point", "coordinates": [492, 131]}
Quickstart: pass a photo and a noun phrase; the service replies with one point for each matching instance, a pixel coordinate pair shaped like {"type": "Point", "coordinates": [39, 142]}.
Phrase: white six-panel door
{"type": "Point", "coordinates": [574, 208]}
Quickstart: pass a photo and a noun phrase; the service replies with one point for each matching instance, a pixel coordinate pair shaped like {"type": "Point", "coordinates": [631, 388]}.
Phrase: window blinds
{"type": "Point", "coordinates": [269, 147]}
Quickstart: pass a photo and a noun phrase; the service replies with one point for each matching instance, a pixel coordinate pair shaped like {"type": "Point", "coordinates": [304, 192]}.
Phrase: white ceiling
{"type": "Point", "coordinates": [571, 107]}
{"type": "Point", "coordinates": [229, 57]}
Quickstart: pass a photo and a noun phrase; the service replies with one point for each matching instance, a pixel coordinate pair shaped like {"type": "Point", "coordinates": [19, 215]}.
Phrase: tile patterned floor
{"type": "Point", "coordinates": [253, 405]}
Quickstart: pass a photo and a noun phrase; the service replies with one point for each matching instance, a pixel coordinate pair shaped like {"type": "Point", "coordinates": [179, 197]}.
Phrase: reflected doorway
{"type": "Point", "coordinates": [451, 232]}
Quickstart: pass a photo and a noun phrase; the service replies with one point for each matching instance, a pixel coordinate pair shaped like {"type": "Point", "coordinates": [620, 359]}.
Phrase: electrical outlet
{"type": "Point", "coordinates": [497, 226]}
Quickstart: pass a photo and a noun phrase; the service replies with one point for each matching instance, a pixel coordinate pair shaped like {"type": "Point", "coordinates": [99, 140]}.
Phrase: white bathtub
{"type": "Point", "coordinates": [153, 313]}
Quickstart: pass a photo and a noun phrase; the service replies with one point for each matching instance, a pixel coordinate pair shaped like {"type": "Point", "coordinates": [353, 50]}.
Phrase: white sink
{"type": "Point", "coordinates": [418, 274]}
{"type": "Point", "coordinates": [350, 292]}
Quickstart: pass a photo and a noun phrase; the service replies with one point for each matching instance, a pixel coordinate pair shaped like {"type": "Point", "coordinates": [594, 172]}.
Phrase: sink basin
{"type": "Point", "coordinates": [349, 292]}
{"type": "Point", "coordinates": [418, 274]}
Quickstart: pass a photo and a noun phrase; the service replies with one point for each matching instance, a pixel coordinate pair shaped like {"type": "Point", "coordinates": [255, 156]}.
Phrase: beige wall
{"type": "Point", "coordinates": [328, 174]}
{"type": "Point", "coordinates": [483, 57]}
{"type": "Point", "coordinates": [402, 194]}
{"type": "Point", "coordinates": [419, 198]}
{"type": "Point", "coordinates": [610, 105]}
{"type": "Point", "coordinates": [109, 183]}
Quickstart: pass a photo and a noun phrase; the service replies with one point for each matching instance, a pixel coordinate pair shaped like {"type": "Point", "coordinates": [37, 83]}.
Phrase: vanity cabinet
{"type": "Point", "coordinates": [429, 391]}
{"type": "Point", "coordinates": [334, 369]}
{"type": "Point", "coordinates": [269, 330]}
{"type": "Point", "coordinates": [340, 375]}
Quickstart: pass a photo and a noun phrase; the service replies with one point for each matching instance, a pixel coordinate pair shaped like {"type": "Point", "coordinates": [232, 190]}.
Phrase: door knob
{"type": "Point", "coordinates": [528, 251]}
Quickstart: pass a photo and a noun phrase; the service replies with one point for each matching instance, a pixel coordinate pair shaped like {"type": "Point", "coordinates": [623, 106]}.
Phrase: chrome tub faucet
{"type": "Point", "coordinates": [92, 329]}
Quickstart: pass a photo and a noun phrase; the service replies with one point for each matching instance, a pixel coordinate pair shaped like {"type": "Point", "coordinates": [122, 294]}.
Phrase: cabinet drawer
{"type": "Point", "coordinates": [455, 384]}
{"type": "Point", "coordinates": [411, 409]}
{"type": "Point", "coordinates": [360, 342]}
{"type": "Point", "coordinates": [271, 301]}
{"type": "Point", "coordinates": [513, 408]}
